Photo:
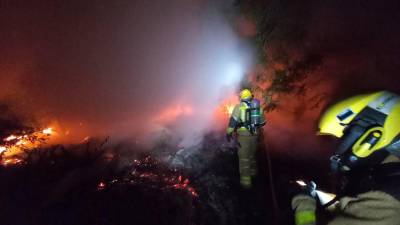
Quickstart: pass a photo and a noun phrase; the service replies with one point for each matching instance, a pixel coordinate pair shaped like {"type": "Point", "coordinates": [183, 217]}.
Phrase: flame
{"type": "Point", "coordinates": [227, 105]}
{"type": "Point", "coordinates": [229, 108]}
{"type": "Point", "coordinates": [224, 110]}
{"type": "Point", "coordinates": [48, 131]}
{"type": "Point", "coordinates": [12, 161]}
{"type": "Point", "coordinates": [10, 138]}
{"type": "Point", "coordinates": [14, 146]}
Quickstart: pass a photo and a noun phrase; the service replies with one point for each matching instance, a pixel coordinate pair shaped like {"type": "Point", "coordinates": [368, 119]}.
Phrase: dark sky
{"type": "Point", "coordinates": [363, 40]}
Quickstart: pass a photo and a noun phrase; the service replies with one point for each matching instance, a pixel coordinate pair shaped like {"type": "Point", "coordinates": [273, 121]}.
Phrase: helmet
{"type": "Point", "coordinates": [246, 94]}
{"type": "Point", "coordinates": [368, 128]}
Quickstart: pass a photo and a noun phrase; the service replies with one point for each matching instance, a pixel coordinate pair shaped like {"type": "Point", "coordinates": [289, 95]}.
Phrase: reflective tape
{"type": "Point", "coordinates": [305, 217]}
{"type": "Point", "coordinates": [245, 181]}
{"type": "Point", "coordinates": [229, 130]}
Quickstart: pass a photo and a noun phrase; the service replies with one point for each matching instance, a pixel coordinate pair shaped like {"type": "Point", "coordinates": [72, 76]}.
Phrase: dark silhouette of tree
{"type": "Point", "coordinates": [280, 39]}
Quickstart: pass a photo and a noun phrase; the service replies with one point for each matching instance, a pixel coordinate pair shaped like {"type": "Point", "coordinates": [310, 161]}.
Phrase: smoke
{"type": "Point", "coordinates": [127, 69]}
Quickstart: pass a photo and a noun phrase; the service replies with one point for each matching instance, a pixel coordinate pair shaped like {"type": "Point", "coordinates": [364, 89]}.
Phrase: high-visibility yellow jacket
{"type": "Point", "coordinates": [239, 118]}
{"type": "Point", "coordinates": [369, 208]}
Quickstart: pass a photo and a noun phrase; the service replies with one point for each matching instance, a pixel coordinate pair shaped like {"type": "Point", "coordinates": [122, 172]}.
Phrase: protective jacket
{"type": "Point", "coordinates": [369, 198]}
{"type": "Point", "coordinates": [241, 120]}
{"type": "Point", "coordinates": [247, 142]}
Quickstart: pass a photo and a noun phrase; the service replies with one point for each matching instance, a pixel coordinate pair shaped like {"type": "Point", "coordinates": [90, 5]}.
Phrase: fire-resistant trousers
{"type": "Point", "coordinates": [247, 159]}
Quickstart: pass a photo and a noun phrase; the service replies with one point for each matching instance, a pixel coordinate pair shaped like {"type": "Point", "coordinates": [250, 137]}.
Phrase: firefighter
{"type": "Point", "coordinates": [367, 160]}
{"type": "Point", "coordinates": [246, 120]}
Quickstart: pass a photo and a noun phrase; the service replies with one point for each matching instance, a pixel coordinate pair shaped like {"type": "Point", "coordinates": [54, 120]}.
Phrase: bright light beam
{"type": "Point", "coordinates": [324, 197]}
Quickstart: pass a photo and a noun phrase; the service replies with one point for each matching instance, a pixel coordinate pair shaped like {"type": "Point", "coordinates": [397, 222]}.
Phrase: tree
{"type": "Point", "coordinates": [281, 32]}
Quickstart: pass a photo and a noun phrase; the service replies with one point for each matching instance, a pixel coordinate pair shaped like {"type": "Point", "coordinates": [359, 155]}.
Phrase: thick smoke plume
{"type": "Point", "coordinates": [120, 68]}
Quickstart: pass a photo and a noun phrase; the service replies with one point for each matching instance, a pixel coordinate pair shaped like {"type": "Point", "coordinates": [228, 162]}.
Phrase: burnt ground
{"type": "Point", "coordinates": [97, 183]}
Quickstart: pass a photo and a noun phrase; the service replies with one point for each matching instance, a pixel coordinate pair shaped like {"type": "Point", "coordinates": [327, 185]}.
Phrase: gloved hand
{"type": "Point", "coordinates": [310, 188]}
{"type": "Point", "coordinates": [306, 188]}
{"type": "Point", "coordinates": [229, 134]}
{"type": "Point", "coordinates": [304, 202]}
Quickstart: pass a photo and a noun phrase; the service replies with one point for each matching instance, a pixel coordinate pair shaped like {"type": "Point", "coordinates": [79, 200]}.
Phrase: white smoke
{"type": "Point", "coordinates": [125, 69]}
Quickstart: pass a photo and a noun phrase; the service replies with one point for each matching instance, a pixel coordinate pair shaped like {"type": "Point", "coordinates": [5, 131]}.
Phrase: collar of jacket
{"type": "Point", "coordinates": [383, 177]}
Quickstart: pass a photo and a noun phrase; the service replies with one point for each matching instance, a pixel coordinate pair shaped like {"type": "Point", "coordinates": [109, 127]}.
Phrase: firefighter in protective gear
{"type": "Point", "coordinates": [367, 159]}
{"type": "Point", "coordinates": [246, 120]}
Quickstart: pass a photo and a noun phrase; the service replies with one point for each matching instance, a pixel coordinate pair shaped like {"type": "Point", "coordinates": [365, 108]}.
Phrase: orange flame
{"type": "Point", "coordinates": [48, 131]}
{"type": "Point", "coordinates": [10, 138]}
{"type": "Point", "coordinates": [14, 146]}
{"type": "Point", "coordinates": [229, 108]}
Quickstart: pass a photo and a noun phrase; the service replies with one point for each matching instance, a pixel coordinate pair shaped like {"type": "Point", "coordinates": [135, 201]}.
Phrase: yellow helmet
{"type": "Point", "coordinates": [246, 94]}
{"type": "Point", "coordinates": [365, 124]}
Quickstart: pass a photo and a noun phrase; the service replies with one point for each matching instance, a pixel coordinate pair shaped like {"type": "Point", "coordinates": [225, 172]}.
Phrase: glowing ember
{"type": "Point", "coordinates": [86, 139]}
{"type": "Point", "coordinates": [183, 184]}
{"type": "Point", "coordinates": [2, 149]}
{"type": "Point", "coordinates": [10, 138]}
{"type": "Point", "coordinates": [20, 142]}
{"type": "Point", "coordinates": [11, 161]}
{"type": "Point", "coordinates": [101, 186]}
{"type": "Point", "coordinates": [144, 174]}
{"type": "Point", "coordinates": [14, 146]}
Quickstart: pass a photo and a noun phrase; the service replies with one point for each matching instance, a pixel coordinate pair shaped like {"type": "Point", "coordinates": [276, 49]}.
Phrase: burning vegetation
{"type": "Point", "coordinates": [100, 182]}
{"type": "Point", "coordinates": [97, 182]}
{"type": "Point", "coordinates": [13, 148]}
{"type": "Point", "coordinates": [143, 172]}
{"type": "Point", "coordinates": [91, 183]}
